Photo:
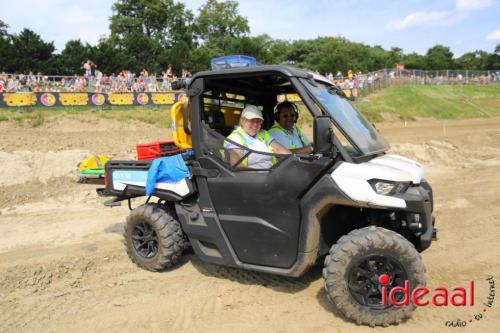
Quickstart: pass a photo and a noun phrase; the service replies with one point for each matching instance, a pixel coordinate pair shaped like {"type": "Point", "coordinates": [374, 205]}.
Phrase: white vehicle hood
{"type": "Point", "coordinates": [414, 171]}
{"type": "Point", "coordinates": [353, 178]}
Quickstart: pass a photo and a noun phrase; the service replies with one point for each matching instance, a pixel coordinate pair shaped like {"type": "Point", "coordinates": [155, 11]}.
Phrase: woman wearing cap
{"type": "Point", "coordinates": [249, 134]}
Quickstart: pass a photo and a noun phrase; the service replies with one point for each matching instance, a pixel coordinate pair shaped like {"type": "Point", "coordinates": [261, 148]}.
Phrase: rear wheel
{"type": "Point", "coordinates": [153, 237]}
{"type": "Point", "coordinates": [364, 261]}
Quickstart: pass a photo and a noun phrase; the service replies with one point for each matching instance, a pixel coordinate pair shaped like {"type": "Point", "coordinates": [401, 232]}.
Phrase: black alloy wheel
{"type": "Point", "coordinates": [145, 240]}
{"type": "Point", "coordinates": [153, 237]}
{"type": "Point", "coordinates": [365, 276]}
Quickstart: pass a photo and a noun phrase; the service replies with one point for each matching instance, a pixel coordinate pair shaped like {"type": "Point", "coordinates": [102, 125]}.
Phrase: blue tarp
{"type": "Point", "coordinates": [170, 169]}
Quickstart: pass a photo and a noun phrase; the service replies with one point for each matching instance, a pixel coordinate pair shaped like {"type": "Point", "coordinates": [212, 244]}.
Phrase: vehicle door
{"type": "Point", "coordinates": [257, 209]}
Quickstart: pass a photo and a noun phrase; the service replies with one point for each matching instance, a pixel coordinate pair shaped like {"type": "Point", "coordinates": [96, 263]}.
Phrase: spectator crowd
{"type": "Point", "coordinates": [353, 83]}
{"type": "Point", "coordinates": [94, 80]}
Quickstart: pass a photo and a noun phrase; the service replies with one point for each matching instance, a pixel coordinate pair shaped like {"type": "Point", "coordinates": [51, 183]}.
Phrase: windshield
{"type": "Point", "coordinates": [352, 123]}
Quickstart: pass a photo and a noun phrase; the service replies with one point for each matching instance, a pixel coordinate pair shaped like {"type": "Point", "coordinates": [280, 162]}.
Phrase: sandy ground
{"type": "Point", "coordinates": [63, 266]}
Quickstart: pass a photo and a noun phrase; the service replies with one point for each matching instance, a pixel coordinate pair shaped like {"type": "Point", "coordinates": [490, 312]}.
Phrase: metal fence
{"type": "Point", "coordinates": [362, 84]}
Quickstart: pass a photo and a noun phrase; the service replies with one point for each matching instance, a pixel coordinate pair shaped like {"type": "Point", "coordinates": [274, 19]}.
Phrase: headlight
{"type": "Point", "coordinates": [385, 187]}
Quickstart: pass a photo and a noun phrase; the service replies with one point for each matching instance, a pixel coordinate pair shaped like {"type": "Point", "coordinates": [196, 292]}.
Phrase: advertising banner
{"type": "Point", "coordinates": [51, 99]}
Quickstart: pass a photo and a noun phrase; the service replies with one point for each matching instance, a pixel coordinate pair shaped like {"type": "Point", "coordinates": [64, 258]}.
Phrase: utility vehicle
{"type": "Point", "coordinates": [361, 211]}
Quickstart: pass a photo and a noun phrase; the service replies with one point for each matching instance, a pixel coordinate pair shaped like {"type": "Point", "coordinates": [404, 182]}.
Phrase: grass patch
{"type": "Point", "coordinates": [37, 116]}
{"type": "Point", "coordinates": [18, 119]}
{"type": "Point", "coordinates": [438, 102]}
{"type": "Point", "coordinates": [159, 116]}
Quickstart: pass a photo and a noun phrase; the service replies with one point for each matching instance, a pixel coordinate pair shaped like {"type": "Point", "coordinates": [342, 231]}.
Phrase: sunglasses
{"type": "Point", "coordinates": [288, 115]}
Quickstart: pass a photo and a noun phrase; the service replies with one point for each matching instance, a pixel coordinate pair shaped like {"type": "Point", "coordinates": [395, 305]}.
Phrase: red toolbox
{"type": "Point", "coordinates": [151, 150]}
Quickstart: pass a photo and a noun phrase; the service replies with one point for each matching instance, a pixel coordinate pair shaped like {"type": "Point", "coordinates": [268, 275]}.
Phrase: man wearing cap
{"type": "Point", "coordinates": [249, 134]}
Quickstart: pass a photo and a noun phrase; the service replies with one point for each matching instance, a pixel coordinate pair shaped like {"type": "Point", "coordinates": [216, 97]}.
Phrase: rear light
{"type": "Point", "coordinates": [105, 179]}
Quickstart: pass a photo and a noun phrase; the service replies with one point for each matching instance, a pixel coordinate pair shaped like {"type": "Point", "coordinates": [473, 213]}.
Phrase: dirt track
{"type": "Point", "coordinates": [63, 266]}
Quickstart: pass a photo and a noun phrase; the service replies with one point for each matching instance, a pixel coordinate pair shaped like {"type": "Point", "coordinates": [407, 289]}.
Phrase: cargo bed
{"type": "Point", "coordinates": [127, 179]}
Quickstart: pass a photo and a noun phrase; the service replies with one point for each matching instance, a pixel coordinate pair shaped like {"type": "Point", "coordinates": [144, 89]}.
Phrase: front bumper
{"type": "Point", "coordinates": [419, 214]}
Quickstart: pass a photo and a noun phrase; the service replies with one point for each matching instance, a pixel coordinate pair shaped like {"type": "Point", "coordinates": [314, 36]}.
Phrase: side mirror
{"type": "Point", "coordinates": [323, 135]}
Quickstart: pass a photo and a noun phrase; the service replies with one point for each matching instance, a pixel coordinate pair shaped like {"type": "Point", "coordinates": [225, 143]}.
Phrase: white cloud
{"type": "Point", "coordinates": [439, 18]}
{"type": "Point", "coordinates": [426, 19]}
{"type": "Point", "coordinates": [473, 4]}
{"type": "Point", "coordinates": [494, 35]}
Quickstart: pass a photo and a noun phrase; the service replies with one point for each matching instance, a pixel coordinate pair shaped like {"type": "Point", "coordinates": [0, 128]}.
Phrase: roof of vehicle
{"type": "Point", "coordinates": [285, 70]}
{"type": "Point", "coordinates": [248, 72]}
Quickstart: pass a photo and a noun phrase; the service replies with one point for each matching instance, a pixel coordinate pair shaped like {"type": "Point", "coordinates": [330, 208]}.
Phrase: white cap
{"type": "Point", "coordinates": [251, 112]}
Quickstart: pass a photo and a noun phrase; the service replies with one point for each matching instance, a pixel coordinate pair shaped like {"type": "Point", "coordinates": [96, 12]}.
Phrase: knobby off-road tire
{"type": "Point", "coordinates": [371, 252]}
{"type": "Point", "coordinates": [153, 237]}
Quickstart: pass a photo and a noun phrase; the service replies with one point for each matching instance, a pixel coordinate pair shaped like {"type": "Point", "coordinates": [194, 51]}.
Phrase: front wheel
{"type": "Point", "coordinates": [367, 263]}
{"type": "Point", "coordinates": [153, 237]}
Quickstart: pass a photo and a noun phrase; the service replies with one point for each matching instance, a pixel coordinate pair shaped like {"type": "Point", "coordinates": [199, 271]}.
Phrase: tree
{"type": "Point", "coordinates": [258, 47]}
{"type": "Point", "coordinates": [5, 46]}
{"type": "Point", "coordinates": [200, 58]}
{"type": "Point", "coordinates": [394, 56]}
{"type": "Point", "coordinates": [279, 51]}
{"type": "Point", "coordinates": [330, 54]}
{"type": "Point", "coordinates": [414, 61]}
{"type": "Point", "coordinates": [476, 60]}
{"type": "Point", "coordinates": [72, 56]}
{"type": "Point", "coordinates": [3, 29]}
{"type": "Point", "coordinates": [218, 23]}
{"type": "Point", "coordinates": [108, 56]}
{"type": "Point", "coordinates": [494, 59]}
{"type": "Point", "coordinates": [299, 51]}
{"type": "Point", "coordinates": [377, 58]}
{"type": "Point", "coordinates": [29, 53]}
{"type": "Point", "coordinates": [143, 29]}
{"type": "Point", "coordinates": [439, 57]}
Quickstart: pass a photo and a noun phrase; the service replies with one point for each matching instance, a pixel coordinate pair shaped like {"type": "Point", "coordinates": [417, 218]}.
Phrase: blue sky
{"type": "Point", "coordinates": [413, 25]}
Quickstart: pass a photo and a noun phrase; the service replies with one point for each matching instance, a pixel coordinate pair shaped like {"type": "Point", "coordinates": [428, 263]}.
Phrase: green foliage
{"type": "Point", "coordinates": [439, 57]}
{"type": "Point", "coordinates": [494, 58]}
{"type": "Point", "coordinates": [3, 29]}
{"type": "Point", "coordinates": [37, 119]}
{"type": "Point", "coordinates": [200, 57]}
{"type": "Point", "coordinates": [159, 117]}
{"type": "Point", "coordinates": [108, 56]}
{"type": "Point", "coordinates": [26, 52]}
{"type": "Point", "coordinates": [395, 56]}
{"type": "Point", "coordinates": [71, 58]}
{"type": "Point", "coordinates": [473, 60]}
{"type": "Point", "coordinates": [415, 61]}
{"type": "Point", "coordinates": [218, 24]}
{"type": "Point", "coordinates": [5, 43]}
{"type": "Point", "coordinates": [145, 28]}
{"type": "Point", "coordinates": [439, 102]}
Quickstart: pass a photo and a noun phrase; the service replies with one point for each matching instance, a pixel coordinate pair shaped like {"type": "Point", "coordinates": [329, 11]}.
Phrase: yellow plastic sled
{"type": "Point", "coordinates": [91, 168]}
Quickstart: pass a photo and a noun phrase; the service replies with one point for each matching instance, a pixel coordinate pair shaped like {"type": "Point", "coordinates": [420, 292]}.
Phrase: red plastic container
{"type": "Point", "coordinates": [151, 150]}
